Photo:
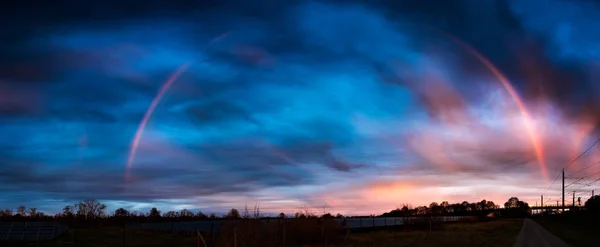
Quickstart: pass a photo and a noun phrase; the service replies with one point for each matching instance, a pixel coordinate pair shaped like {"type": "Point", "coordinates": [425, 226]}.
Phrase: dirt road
{"type": "Point", "coordinates": [532, 234]}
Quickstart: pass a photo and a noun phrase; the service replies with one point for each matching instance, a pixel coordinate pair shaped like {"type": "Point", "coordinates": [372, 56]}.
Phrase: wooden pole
{"type": "Point", "coordinates": [563, 190]}
{"type": "Point", "coordinates": [234, 237]}
{"type": "Point", "coordinates": [124, 235]}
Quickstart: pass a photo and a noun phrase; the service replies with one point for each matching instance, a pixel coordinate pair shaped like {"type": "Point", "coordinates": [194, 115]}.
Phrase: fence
{"type": "Point", "coordinates": [353, 223]}
{"type": "Point", "coordinates": [31, 231]}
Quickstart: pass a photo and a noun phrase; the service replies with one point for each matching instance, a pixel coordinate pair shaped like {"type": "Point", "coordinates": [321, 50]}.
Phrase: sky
{"type": "Point", "coordinates": [352, 107]}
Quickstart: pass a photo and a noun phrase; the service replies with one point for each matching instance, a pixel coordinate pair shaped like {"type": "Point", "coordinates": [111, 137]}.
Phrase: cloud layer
{"type": "Point", "coordinates": [355, 107]}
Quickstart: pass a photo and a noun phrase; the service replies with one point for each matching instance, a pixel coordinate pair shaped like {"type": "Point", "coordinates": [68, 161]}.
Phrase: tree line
{"type": "Point", "coordinates": [460, 209]}
{"type": "Point", "coordinates": [93, 209]}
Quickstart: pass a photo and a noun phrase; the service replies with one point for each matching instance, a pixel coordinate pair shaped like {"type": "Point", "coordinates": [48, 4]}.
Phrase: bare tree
{"type": "Point", "coordinates": [307, 212]}
{"type": "Point", "coordinates": [90, 208]}
{"type": "Point", "coordinates": [186, 213]}
{"type": "Point", "coordinates": [22, 210]}
{"type": "Point", "coordinates": [299, 215]}
{"type": "Point", "coordinates": [171, 214]}
{"type": "Point", "coordinates": [33, 212]}
{"type": "Point", "coordinates": [67, 211]}
{"type": "Point", "coordinates": [256, 212]}
{"type": "Point", "coordinates": [8, 212]}
{"type": "Point", "coordinates": [201, 215]}
{"type": "Point", "coordinates": [245, 212]}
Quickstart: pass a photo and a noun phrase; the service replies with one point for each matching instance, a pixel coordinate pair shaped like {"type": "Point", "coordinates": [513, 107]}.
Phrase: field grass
{"type": "Point", "coordinates": [491, 233]}
{"type": "Point", "coordinates": [576, 230]}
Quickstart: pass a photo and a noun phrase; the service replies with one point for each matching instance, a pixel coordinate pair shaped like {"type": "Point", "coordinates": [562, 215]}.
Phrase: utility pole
{"type": "Point", "coordinates": [563, 190]}
{"type": "Point", "coordinates": [592, 193]}
{"type": "Point", "coordinates": [573, 198]}
{"type": "Point", "coordinates": [542, 204]}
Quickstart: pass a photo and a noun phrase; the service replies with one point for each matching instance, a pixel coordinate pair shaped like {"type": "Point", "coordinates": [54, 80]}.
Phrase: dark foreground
{"type": "Point", "coordinates": [490, 233]}
{"type": "Point", "coordinates": [533, 234]}
{"type": "Point", "coordinates": [576, 229]}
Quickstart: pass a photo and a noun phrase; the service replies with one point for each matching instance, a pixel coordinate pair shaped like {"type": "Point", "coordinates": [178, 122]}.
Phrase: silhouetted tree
{"type": "Point", "coordinates": [422, 210]}
{"type": "Point", "coordinates": [472, 207]}
{"type": "Point", "coordinates": [327, 216]}
{"type": "Point", "coordinates": [201, 215]}
{"type": "Point", "coordinates": [22, 211]}
{"type": "Point", "coordinates": [445, 207]}
{"type": "Point", "coordinates": [233, 214]}
{"type": "Point", "coordinates": [339, 216]}
{"type": "Point", "coordinates": [482, 205]}
{"type": "Point", "coordinates": [90, 208]}
{"type": "Point", "coordinates": [406, 210]}
{"type": "Point", "coordinates": [491, 205]}
{"type": "Point", "coordinates": [435, 208]}
{"type": "Point", "coordinates": [154, 213]}
{"type": "Point", "coordinates": [513, 202]}
{"type": "Point", "coordinates": [282, 215]}
{"type": "Point", "coordinates": [593, 204]}
{"type": "Point", "coordinates": [515, 208]}
{"type": "Point", "coordinates": [300, 215]}
{"type": "Point", "coordinates": [171, 214]}
{"type": "Point", "coordinates": [67, 211]}
{"type": "Point", "coordinates": [212, 216]}
{"type": "Point", "coordinates": [121, 212]}
{"type": "Point", "coordinates": [33, 212]}
{"type": "Point", "coordinates": [186, 213]}
{"type": "Point", "coordinates": [8, 212]}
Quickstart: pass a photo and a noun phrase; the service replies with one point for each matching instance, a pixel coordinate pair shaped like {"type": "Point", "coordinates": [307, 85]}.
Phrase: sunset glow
{"type": "Point", "coordinates": [357, 110]}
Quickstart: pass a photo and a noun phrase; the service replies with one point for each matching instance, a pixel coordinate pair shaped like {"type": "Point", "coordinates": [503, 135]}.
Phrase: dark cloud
{"type": "Point", "coordinates": [214, 112]}
{"type": "Point", "coordinates": [78, 182]}
{"type": "Point", "coordinates": [279, 94]}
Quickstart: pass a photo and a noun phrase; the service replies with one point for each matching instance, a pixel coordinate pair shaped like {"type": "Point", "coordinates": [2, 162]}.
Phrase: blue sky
{"type": "Point", "coordinates": [355, 107]}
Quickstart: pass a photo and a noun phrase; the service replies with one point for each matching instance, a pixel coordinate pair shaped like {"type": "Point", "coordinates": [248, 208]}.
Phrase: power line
{"type": "Point", "coordinates": [573, 182]}
{"type": "Point", "coordinates": [590, 183]}
{"type": "Point", "coordinates": [584, 177]}
{"type": "Point", "coordinates": [557, 176]}
{"type": "Point", "coordinates": [584, 152]}
{"type": "Point", "coordinates": [585, 168]}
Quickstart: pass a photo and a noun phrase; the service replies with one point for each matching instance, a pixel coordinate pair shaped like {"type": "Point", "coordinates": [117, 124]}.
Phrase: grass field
{"type": "Point", "coordinates": [576, 230]}
{"type": "Point", "coordinates": [492, 233]}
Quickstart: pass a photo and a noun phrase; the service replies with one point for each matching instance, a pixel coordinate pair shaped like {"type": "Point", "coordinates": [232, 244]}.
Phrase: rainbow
{"type": "Point", "coordinates": [527, 119]}
{"type": "Point", "coordinates": [140, 130]}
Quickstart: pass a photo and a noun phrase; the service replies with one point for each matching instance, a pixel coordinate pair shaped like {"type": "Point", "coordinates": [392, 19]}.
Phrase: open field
{"type": "Point", "coordinates": [491, 233]}
{"type": "Point", "coordinates": [576, 230]}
